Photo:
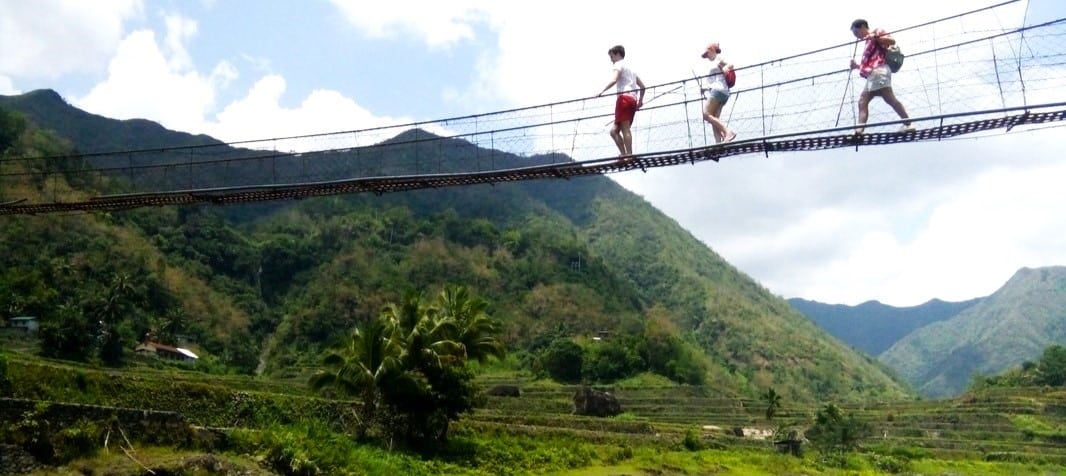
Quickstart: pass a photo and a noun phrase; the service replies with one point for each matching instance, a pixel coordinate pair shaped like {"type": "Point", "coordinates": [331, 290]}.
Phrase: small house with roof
{"type": "Point", "coordinates": [27, 324]}
{"type": "Point", "coordinates": [164, 351]}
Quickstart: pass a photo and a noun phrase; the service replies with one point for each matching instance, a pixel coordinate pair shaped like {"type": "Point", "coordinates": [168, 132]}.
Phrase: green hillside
{"type": "Point", "coordinates": [1013, 325]}
{"type": "Point", "coordinates": [268, 287]}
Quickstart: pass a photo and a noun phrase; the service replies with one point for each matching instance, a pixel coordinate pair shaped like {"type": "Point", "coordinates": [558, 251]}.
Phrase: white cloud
{"type": "Point", "coordinates": [995, 225]}
{"type": "Point", "coordinates": [161, 82]}
{"type": "Point", "coordinates": [438, 24]}
{"type": "Point", "coordinates": [143, 83]}
{"type": "Point", "coordinates": [260, 64]}
{"type": "Point", "coordinates": [6, 87]}
{"type": "Point", "coordinates": [45, 39]}
{"type": "Point", "coordinates": [179, 31]}
{"type": "Point", "coordinates": [260, 115]}
{"type": "Point", "coordinates": [968, 247]}
{"type": "Point", "coordinates": [223, 74]}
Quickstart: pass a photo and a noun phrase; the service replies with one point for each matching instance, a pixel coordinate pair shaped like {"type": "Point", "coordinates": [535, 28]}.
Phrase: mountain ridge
{"type": "Point", "coordinates": [873, 327]}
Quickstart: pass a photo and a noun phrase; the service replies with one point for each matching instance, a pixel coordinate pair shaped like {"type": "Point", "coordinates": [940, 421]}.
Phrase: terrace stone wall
{"type": "Point", "coordinates": [132, 421]}
{"type": "Point", "coordinates": [49, 419]}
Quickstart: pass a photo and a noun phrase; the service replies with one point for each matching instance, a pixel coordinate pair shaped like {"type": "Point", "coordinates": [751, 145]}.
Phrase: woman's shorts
{"type": "Point", "coordinates": [720, 96]}
{"type": "Point", "coordinates": [879, 78]}
{"type": "Point", "coordinates": [625, 108]}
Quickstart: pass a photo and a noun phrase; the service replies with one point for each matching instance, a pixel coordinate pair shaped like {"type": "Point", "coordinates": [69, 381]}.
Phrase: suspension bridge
{"type": "Point", "coordinates": [961, 77]}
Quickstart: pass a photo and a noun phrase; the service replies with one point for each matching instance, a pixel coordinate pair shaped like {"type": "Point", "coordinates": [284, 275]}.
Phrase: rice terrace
{"type": "Point", "coordinates": [169, 421]}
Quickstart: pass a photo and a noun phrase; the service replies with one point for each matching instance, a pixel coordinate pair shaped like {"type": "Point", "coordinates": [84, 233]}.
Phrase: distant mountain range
{"type": "Point", "coordinates": [938, 347]}
{"type": "Point", "coordinates": [873, 327]}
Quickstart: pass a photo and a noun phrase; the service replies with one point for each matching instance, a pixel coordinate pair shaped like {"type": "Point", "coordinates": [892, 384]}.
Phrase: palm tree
{"type": "Point", "coordinates": [475, 331]}
{"type": "Point", "coordinates": [368, 363]}
{"type": "Point", "coordinates": [410, 363]}
{"type": "Point", "coordinates": [422, 333]}
{"type": "Point", "coordinates": [773, 403]}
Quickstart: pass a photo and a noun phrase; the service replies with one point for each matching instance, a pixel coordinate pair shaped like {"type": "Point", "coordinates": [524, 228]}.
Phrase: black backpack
{"type": "Point", "coordinates": [894, 58]}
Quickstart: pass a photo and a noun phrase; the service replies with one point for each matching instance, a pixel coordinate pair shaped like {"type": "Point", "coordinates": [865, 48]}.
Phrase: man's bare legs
{"type": "Point", "coordinates": [864, 110]}
{"type": "Point", "coordinates": [623, 138]}
{"type": "Point", "coordinates": [890, 99]}
{"type": "Point", "coordinates": [897, 106]}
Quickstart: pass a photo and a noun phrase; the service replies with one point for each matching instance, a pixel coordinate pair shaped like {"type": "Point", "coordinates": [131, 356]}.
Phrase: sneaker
{"type": "Point", "coordinates": [906, 128]}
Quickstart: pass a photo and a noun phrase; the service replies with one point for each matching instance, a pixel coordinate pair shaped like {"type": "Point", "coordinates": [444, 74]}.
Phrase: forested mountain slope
{"type": "Point", "coordinates": [557, 260]}
{"type": "Point", "coordinates": [1013, 325]}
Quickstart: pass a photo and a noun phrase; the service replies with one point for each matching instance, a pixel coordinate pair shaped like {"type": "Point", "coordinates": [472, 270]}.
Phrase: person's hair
{"type": "Point", "coordinates": [860, 23]}
{"type": "Point", "coordinates": [617, 49]}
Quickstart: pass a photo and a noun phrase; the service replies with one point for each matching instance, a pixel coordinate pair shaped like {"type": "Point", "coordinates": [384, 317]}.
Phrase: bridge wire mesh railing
{"type": "Point", "coordinates": [957, 65]}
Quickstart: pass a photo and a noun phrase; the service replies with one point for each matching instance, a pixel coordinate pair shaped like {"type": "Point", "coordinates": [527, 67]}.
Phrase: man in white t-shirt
{"type": "Point", "coordinates": [630, 90]}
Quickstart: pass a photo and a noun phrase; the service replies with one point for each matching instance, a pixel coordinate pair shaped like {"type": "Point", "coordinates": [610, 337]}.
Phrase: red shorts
{"type": "Point", "coordinates": [625, 108]}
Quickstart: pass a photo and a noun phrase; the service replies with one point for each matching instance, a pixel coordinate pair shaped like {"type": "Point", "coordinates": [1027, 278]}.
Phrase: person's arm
{"type": "Point", "coordinates": [640, 100]}
{"type": "Point", "coordinates": [724, 66]}
{"type": "Point", "coordinates": [617, 75]}
{"type": "Point", "coordinates": [884, 40]}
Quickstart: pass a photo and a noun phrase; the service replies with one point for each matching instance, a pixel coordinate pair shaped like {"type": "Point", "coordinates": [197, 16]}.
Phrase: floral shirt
{"type": "Point", "coordinates": [873, 56]}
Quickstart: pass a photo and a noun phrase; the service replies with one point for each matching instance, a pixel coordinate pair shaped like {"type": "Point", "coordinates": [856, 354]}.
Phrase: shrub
{"type": "Point", "coordinates": [305, 450]}
{"type": "Point", "coordinates": [1007, 456]}
{"type": "Point", "coordinates": [1051, 370]}
{"type": "Point", "coordinates": [80, 439]}
{"type": "Point", "coordinates": [81, 381]}
{"type": "Point", "coordinates": [612, 361]}
{"type": "Point", "coordinates": [835, 434]}
{"type": "Point", "coordinates": [889, 464]}
{"type": "Point", "coordinates": [692, 440]}
{"type": "Point", "coordinates": [908, 452]}
{"type": "Point", "coordinates": [563, 361]}
{"type": "Point", "coordinates": [5, 383]}
{"type": "Point", "coordinates": [623, 453]}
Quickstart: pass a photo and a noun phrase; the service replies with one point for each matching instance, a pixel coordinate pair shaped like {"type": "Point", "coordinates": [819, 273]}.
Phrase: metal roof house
{"type": "Point", "coordinates": [29, 324]}
{"type": "Point", "coordinates": [166, 351]}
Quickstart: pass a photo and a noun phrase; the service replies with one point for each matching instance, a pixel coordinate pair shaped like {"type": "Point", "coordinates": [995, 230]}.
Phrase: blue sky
{"type": "Point", "coordinates": [901, 224]}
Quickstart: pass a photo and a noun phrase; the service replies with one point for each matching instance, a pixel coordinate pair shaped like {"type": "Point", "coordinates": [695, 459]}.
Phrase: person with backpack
{"type": "Point", "coordinates": [630, 90]}
{"type": "Point", "coordinates": [721, 78]}
{"type": "Point", "coordinates": [874, 68]}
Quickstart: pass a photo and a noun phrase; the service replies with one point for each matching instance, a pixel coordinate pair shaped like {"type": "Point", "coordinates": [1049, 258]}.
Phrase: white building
{"type": "Point", "coordinates": [28, 324]}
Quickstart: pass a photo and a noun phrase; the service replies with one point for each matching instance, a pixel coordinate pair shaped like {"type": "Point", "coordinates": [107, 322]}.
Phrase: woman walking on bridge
{"type": "Point", "coordinates": [719, 92]}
